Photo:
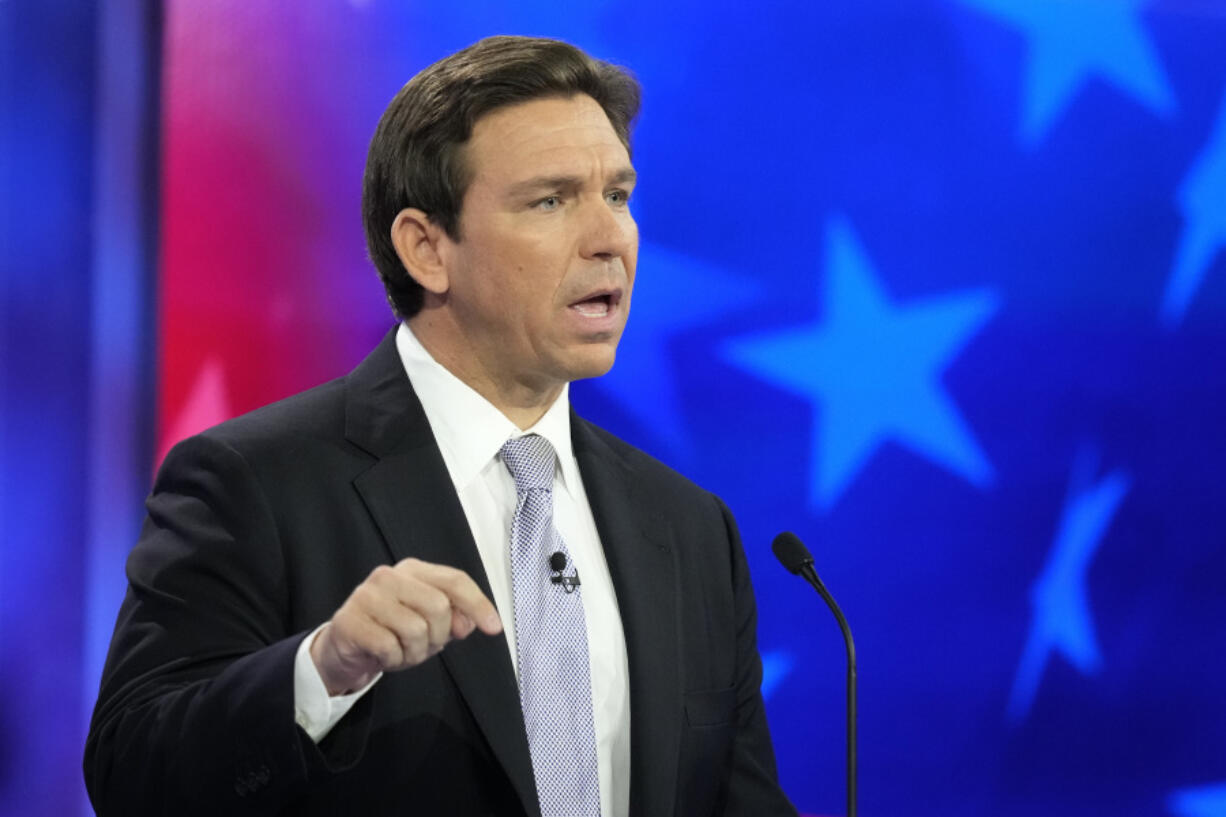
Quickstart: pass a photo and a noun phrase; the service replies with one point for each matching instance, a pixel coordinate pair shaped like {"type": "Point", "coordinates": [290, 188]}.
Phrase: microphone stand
{"type": "Point", "coordinates": [810, 575]}
{"type": "Point", "coordinates": [793, 555]}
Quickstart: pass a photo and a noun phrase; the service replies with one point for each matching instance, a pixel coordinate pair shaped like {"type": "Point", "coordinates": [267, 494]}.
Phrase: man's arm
{"type": "Point", "coordinates": [197, 712]}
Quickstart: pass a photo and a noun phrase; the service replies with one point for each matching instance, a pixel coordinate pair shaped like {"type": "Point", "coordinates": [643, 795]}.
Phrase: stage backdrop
{"type": "Point", "coordinates": [937, 285]}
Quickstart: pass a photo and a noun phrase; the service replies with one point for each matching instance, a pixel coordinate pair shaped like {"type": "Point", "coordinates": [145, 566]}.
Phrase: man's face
{"type": "Point", "coordinates": [539, 282]}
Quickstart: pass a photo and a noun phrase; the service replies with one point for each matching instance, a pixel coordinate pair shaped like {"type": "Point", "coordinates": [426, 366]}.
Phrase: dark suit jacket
{"type": "Point", "coordinates": [259, 529]}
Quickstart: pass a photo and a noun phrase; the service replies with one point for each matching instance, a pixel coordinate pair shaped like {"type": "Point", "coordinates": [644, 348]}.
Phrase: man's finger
{"type": "Point", "coordinates": [461, 625]}
{"type": "Point", "coordinates": [360, 639]}
{"type": "Point", "coordinates": [431, 604]}
{"type": "Point", "coordinates": [464, 594]}
{"type": "Point", "coordinates": [405, 625]}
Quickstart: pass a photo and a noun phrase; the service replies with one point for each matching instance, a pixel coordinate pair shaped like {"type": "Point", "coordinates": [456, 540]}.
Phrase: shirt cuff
{"type": "Point", "coordinates": [314, 710]}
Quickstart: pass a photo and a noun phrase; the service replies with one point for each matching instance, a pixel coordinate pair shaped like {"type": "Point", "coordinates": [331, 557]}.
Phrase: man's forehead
{"type": "Point", "coordinates": [541, 130]}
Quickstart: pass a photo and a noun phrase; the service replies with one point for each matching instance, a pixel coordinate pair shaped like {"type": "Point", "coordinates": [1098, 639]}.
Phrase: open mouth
{"type": "Point", "coordinates": [598, 304]}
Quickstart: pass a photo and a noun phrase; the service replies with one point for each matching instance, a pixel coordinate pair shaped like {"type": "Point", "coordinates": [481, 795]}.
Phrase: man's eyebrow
{"type": "Point", "coordinates": [625, 175]}
{"type": "Point", "coordinates": [545, 183]}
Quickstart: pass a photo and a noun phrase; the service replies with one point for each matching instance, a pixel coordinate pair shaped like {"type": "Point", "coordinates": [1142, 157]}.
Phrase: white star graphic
{"type": "Point", "coordinates": [1207, 801]}
{"type": "Point", "coordinates": [1061, 620]}
{"type": "Point", "coordinates": [873, 371]}
{"type": "Point", "coordinates": [1072, 40]}
{"type": "Point", "coordinates": [1202, 198]}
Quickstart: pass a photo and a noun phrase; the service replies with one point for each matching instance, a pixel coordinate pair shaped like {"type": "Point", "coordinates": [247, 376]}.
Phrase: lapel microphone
{"type": "Point", "coordinates": [793, 554]}
{"type": "Point", "coordinates": [557, 563]}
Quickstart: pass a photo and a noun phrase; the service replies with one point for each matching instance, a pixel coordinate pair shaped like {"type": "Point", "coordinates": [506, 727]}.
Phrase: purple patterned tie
{"type": "Point", "coordinates": [555, 689]}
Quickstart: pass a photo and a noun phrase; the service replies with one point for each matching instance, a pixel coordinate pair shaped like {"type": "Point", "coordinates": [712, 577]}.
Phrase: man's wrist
{"type": "Point", "coordinates": [326, 660]}
{"type": "Point", "coordinates": [315, 709]}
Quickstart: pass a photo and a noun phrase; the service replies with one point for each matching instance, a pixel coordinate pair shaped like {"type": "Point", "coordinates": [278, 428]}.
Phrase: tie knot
{"type": "Point", "coordinates": [531, 460]}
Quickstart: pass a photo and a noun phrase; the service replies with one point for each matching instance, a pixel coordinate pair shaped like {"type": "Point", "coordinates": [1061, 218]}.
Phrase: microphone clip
{"type": "Point", "coordinates": [569, 583]}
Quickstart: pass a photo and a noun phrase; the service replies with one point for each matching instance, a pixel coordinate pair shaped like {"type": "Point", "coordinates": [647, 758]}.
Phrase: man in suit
{"type": "Point", "coordinates": [428, 587]}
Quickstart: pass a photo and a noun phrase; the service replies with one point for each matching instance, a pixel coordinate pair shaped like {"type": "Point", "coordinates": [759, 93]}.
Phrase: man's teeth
{"type": "Point", "coordinates": [594, 309]}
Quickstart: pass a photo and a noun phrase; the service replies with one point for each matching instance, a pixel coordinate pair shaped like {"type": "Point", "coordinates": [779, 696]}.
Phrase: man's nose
{"type": "Point", "coordinates": [608, 232]}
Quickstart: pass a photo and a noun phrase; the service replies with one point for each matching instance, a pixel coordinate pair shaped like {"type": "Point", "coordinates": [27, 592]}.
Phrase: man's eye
{"type": "Point", "coordinates": [617, 197]}
{"type": "Point", "coordinates": [549, 203]}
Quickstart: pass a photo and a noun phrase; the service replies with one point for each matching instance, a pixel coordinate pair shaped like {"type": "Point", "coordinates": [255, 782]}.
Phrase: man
{"type": "Point", "coordinates": [428, 587]}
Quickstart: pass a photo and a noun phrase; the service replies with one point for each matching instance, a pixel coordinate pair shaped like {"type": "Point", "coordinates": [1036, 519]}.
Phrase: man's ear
{"type": "Point", "coordinates": [417, 241]}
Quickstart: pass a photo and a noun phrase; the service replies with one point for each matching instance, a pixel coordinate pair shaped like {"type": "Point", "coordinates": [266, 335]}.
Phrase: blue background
{"type": "Point", "coordinates": [937, 285]}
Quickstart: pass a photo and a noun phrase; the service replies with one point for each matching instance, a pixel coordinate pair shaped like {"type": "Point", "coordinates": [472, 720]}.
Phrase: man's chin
{"type": "Point", "coordinates": [593, 361]}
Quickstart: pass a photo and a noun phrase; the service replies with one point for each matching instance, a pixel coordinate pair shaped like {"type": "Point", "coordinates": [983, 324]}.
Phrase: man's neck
{"type": "Point", "coordinates": [521, 403]}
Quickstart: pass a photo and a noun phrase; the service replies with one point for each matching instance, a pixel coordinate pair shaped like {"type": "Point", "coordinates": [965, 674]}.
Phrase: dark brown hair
{"type": "Point", "coordinates": [416, 157]}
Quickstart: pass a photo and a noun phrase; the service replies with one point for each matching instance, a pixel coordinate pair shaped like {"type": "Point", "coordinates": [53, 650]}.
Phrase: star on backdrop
{"type": "Point", "coordinates": [1202, 199]}
{"type": "Point", "coordinates": [1061, 620]}
{"type": "Point", "coordinates": [673, 293]}
{"type": "Point", "coordinates": [872, 370]}
{"type": "Point", "coordinates": [776, 666]}
{"type": "Point", "coordinates": [1207, 801]}
{"type": "Point", "coordinates": [207, 404]}
{"type": "Point", "coordinates": [1071, 42]}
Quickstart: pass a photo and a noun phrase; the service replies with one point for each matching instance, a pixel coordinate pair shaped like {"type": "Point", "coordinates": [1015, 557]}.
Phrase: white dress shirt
{"type": "Point", "coordinates": [470, 432]}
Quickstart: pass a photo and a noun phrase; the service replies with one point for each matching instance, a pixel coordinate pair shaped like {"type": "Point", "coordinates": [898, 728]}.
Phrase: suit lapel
{"type": "Point", "coordinates": [409, 493]}
{"type": "Point", "coordinates": [645, 578]}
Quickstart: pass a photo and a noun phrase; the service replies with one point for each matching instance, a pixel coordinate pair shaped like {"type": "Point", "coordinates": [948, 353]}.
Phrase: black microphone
{"type": "Point", "coordinates": [557, 563]}
{"type": "Point", "coordinates": [792, 554]}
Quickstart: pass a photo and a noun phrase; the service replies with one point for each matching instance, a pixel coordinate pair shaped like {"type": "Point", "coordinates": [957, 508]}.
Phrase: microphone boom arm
{"type": "Point", "coordinates": [794, 556]}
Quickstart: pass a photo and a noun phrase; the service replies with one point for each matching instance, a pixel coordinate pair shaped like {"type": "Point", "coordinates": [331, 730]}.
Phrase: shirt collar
{"type": "Point", "coordinates": [469, 430]}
